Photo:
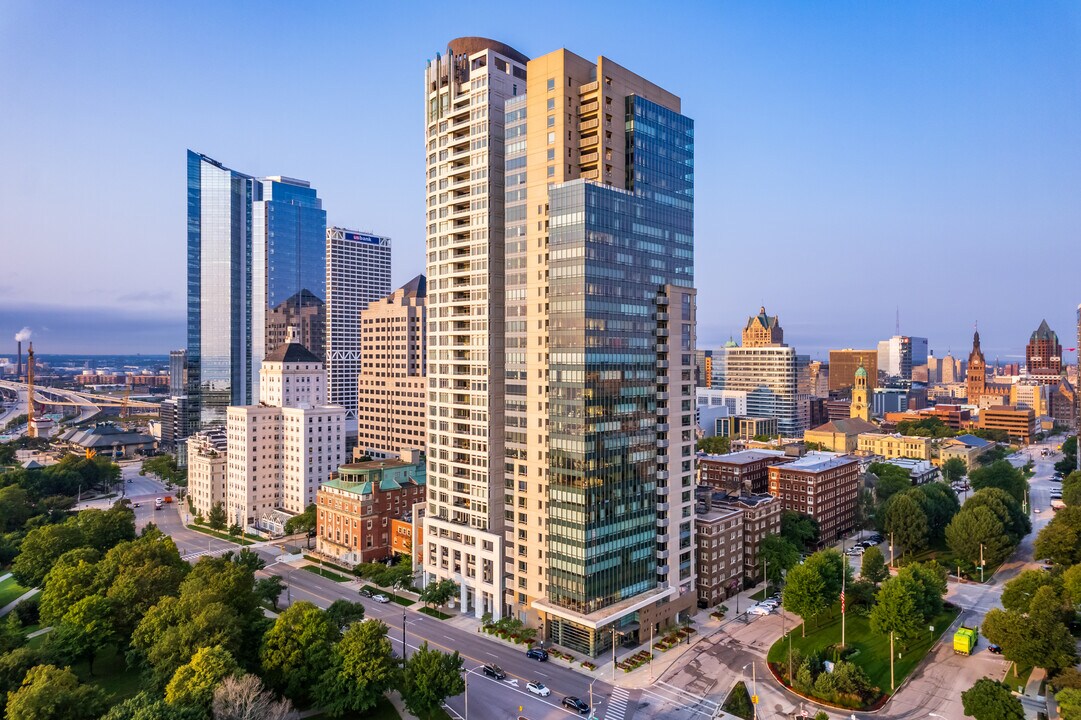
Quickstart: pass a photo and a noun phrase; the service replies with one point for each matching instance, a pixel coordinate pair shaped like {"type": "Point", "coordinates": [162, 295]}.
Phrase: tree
{"type": "Point", "coordinates": [217, 517]}
{"type": "Point", "coordinates": [87, 627]}
{"type": "Point", "coordinates": [49, 693]}
{"type": "Point", "coordinates": [344, 613]}
{"type": "Point", "coordinates": [907, 523]}
{"type": "Point", "coordinates": [1071, 583]}
{"type": "Point", "coordinates": [431, 677]}
{"type": "Point", "coordinates": [874, 567]}
{"type": "Point", "coordinates": [151, 706]}
{"type": "Point", "coordinates": [15, 508]}
{"type": "Point", "coordinates": [716, 445]}
{"type": "Point", "coordinates": [305, 522]}
{"type": "Point", "coordinates": [1071, 489]}
{"type": "Point", "coordinates": [14, 664]}
{"type": "Point", "coordinates": [363, 669]}
{"type": "Point", "coordinates": [804, 594]}
{"type": "Point", "coordinates": [896, 610]}
{"type": "Point", "coordinates": [954, 469]}
{"type": "Point", "coordinates": [1059, 542]}
{"type": "Point", "coordinates": [1039, 638]}
{"type": "Point", "coordinates": [799, 529]}
{"type": "Point", "coordinates": [991, 700]}
{"type": "Point", "coordinates": [1008, 510]}
{"type": "Point", "coordinates": [780, 556]}
{"type": "Point", "coordinates": [890, 481]}
{"type": "Point", "coordinates": [71, 578]}
{"type": "Point", "coordinates": [1017, 594]}
{"type": "Point", "coordinates": [1000, 474]}
{"type": "Point", "coordinates": [939, 503]}
{"type": "Point", "coordinates": [40, 549]}
{"type": "Point", "coordinates": [927, 584]}
{"type": "Point", "coordinates": [438, 592]}
{"type": "Point", "coordinates": [245, 698]}
{"type": "Point", "coordinates": [298, 650]}
{"type": "Point", "coordinates": [830, 566]}
{"type": "Point", "coordinates": [1069, 703]}
{"type": "Point", "coordinates": [269, 589]}
{"type": "Point", "coordinates": [235, 530]}
{"type": "Point", "coordinates": [974, 528]}
{"type": "Point", "coordinates": [193, 684]}
{"type": "Point", "coordinates": [137, 574]}
{"type": "Point", "coordinates": [103, 529]}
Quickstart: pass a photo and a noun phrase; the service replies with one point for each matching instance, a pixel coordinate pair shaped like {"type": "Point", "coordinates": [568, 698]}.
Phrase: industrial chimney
{"type": "Point", "coordinates": [19, 371]}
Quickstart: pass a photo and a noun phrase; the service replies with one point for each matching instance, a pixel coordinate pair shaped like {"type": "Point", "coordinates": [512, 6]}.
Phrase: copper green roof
{"type": "Point", "coordinates": [360, 478]}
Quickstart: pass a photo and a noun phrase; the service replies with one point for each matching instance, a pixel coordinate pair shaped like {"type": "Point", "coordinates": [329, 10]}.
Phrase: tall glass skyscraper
{"type": "Point", "coordinates": [254, 246]}
{"type": "Point", "coordinates": [219, 288]}
{"type": "Point", "coordinates": [289, 228]}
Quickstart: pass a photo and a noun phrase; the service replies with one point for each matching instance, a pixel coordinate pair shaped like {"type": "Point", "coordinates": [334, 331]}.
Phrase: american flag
{"type": "Point", "coordinates": [842, 601]}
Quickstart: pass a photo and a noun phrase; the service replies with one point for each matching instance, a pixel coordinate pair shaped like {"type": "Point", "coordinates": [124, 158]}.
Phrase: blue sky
{"type": "Point", "coordinates": [851, 157]}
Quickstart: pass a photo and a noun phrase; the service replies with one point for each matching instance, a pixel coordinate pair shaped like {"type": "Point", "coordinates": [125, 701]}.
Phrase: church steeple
{"type": "Point", "coordinates": [859, 407]}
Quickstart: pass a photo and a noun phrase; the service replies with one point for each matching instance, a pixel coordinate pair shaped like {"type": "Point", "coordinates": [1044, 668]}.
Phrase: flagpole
{"type": "Point", "coordinates": [844, 572]}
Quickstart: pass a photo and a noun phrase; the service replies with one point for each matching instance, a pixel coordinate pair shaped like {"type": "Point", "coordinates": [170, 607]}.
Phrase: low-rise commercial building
{"type": "Point", "coordinates": [822, 485]}
{"type": "Point", "coordinates": [108, 439]}
{"type": "Point", "coordinates": [356, 507]}
{"type": "Point", "coordinates": [1018, 423]}
{"type": "Point", "coordinates": [920, 471]}
{"type": "Point", "coordinates": [966, 448]}
{"type": "Point", "coordinates": [894, 446]}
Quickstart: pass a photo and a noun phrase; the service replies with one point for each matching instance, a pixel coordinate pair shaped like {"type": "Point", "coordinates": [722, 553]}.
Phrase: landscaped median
{"type": "Point", "coordinates": [220, 535]}
{"type": "Point", "coordinates": [867, 650]}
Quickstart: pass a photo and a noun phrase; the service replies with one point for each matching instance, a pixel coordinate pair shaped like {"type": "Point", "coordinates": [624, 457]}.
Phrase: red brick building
{"type": "Point", "coordinates": [822, 485]}
{"type": "Point", "coordinates": [357, 507]}
{"type": "Point", "coordinates": [739, 473]}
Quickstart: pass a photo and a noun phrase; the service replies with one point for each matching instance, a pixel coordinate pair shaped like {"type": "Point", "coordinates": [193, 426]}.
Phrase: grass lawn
{"type": "Point", "coordinates": [326, 573]}
{"type": "Point", "coordinates": [324, 563]}
{"type": "Point", "coordinates": [874, 649]}
{"type": "Point", "coordinates": [1017, 676]}
{"type": "Point", "coordinates": [941, 552]}
{"type": "Point", "coordinates": [434, 613]}
{"type": "Point", "coordinates": [112, 675]}
{"type": "Point", "coordinates": [9, 591]}
{"type": "Point", "coordinates": [219, 535]}
{"type": "Point", "coordinates": [382, 711]}
{"type": "Point", "coordinates": [403, 601]}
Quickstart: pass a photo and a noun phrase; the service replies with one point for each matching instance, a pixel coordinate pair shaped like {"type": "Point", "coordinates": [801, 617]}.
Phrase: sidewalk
{"type": "Point", "coordinates": [11, 605]}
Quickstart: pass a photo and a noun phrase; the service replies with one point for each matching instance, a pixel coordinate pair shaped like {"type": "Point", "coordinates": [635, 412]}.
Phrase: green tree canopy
{"type": "Point", "coordinates": [799, 529]}
{"type": "Point", "coordinates": [890, 481]}
{"type": "Point", "coordinates": [193, 684]}
{"type": "Point", "coordinates": [780, 556]}
{"type": "Point", "coordinates": [363, 669]}
{"type": "Point", "coordinates": [344, 613]}
{"type": "Point", "coordinates": [431, 677]}
{"type": "Point", "coordinates": [72, 577]}
{"type": "Point", "coordinates": [873, 567]}
{"type": "Point", "coordinates": [716, 445]}
{"type": "Point", "coordinates": [896, 610]}
{"type": "Point", "coordinates": [305, 522]}
{"type": "Point", "coordinates": [1017, 594]}
{"type": "Point", "coordinates": [217, 518]}
{"type": "Point", "coordinates": [41, 548]}
{"type": "Point", "coordinates": [1000, 474]}
{"type": "Point", "coordinates": [954, 469]}
{"type": "Point", "coordinates": [927, 584]}
{"type": "Point", "coordinates": [86, 628]}
{"type": "Point", "coordinates": [907, 523]}
{"type": "Point", "coordinates": [991, 700]}
{"type": "Point", "coordinates": [298, 651]}
{"type": "Point", "coordinates": [49, 693]}
{"type": "Point", "coordinates": [1069, 703]}
{"type": "Point", "coordinates": [939, 503]}
{"type": "Point", "coordinates": [974, 527]}
{"type": "Point", "coordinates": [804, 593]}
{"type": "Point", "coordinates": [103, 529]}
{"type": "Point", "coordinates": [14, 664]}
{"type": "Point", "coordinates": [151, 706]}
{"type": "Point", "coordinates": [15, 508]}
{"type": "Point", "coordinates": [1008, 510]}
{"type": "Point", "coordinates": [1060, 540]}
{"type": "Point", "coordinates": [439, 592]}
{"type": "Point", "coordinates": [1071, 489]}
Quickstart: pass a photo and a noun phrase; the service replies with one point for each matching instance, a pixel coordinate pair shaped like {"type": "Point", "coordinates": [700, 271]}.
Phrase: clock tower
{"type": "Point", "coordinates": [859, 407]}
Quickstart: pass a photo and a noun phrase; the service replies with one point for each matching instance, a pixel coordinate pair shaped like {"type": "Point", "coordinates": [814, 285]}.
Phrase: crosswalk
{"type": "Point", "coordinates": [617, 704]}
{"type": "Point", "coordinates": [689, 701]}
{"type": "Point", "coordinates": [215, 551]}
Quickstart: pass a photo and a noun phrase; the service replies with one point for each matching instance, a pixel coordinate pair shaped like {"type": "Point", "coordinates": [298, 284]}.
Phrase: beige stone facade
{"type": "Point", "coordinates": [392, 386]}
{"type": "Point", "coordinates": [895, 446]}
{"type": "Point", "coordinates": [206, 470]}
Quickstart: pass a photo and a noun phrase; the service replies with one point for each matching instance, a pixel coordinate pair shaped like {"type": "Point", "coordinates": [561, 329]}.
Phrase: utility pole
{"type": "Point", "coordinates": [981, 562]}
{"type": "Point", "coordinates": [892, 687]}
{"type": "Point", "coordinates": [754, 685]}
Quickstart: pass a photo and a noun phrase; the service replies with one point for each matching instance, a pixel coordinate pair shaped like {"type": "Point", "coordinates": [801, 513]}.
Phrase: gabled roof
{"type": "Point", "coordinates": [847, 426]}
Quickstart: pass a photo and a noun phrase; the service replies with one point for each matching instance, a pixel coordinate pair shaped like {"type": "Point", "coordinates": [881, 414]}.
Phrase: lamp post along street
{"type": "Point", "coordinates": [891, 662]}
{"type": "Point", "coordinates": [467, 674]}
{"type": "Point", "coordinates": [403, 635]}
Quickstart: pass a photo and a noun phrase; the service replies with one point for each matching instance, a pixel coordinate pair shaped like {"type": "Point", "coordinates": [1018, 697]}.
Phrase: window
{"type": "Point", "coordinates": [551, 84]}
{"type": "Point", "coordinates": [551, 154]}
{"type": "Point", "coordinates": [551, 138]}
{"type": "Point", "coordinates": [551, 102]}
{"type": "Point", "coordinates": [551, 171]}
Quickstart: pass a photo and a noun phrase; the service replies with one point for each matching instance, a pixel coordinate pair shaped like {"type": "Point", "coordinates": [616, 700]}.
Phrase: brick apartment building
{"type": "Point", "coordinates": [822, 485]}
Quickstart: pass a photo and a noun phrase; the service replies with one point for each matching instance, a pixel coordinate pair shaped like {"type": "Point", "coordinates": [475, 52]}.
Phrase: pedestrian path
{"type": "Point", "coordinates": [11, 605]}
{"type": "Point", "coordinates": [696, 704]}
{"type": "Point", "coordinates": [215, 551]}
{"type": "Point", "coordinates": [617, 704]}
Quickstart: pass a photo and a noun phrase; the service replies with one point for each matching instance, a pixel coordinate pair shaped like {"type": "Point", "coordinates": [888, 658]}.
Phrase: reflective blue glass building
{"type": "Point", "coordinates": [252, 245]}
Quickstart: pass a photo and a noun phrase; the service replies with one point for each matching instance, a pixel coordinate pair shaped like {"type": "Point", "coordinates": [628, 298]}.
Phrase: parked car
{"type": "Point", "coordinates": [575, 704]}
{"type": "Point", "coordinates": [495, 671]}
{"type": "Point", "coordinates": [868, 544]}
{"type": "Point", "coordinates": [770, 604]}
{"type": "Point", "coordinates": [538, 689]}
{"type": "Point", "coordinates": [539, 654]}
{"type": "Point", "coordinates": [995, 649]}
{"type": "Point", "coordinates": [365, 592]}
{"type": "Point", "coordinates": [758, 610]}
{"type": "Point", "coordinates": [381, 598]}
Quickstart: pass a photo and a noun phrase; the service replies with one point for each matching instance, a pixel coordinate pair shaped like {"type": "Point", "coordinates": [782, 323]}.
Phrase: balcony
{"type": "Point", "coordinates": [662, 347]}
{"type": "Point", "coordinates": [662, 507]}
{"type": "Point", "coordinates": [662, 490]}
{"type": "Point", "coordinates": [662, 444]}
{"type": "Point", "coordinates": [663, 554]}
{"type": "Point", "coordinates": [662, 300]}
{"type": "Point", "coordinates": [662, 316]}
{"type": "Point", "coordinates": [662, 412]}
{"type": "Point", "coordinates": [662, 364]}
{"type": "Point", "coordinates": [662, 379]}
{"type": "Point", "coordinates": [662, 475]}
{"type": "Point", "coordinates": [588, 88]}
{"type": "Point", "coordinates": [662, 427]}
{"type": "Point", "coordinates": [588, 141]}
{"type": "Point", "coordinates": [662, 396]}
{"type": "Point", "coordinates": [662, 332]}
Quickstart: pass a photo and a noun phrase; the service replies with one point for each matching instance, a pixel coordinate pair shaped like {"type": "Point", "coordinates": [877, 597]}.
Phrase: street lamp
{"type": "Point", "coordinates": [754, 688]}
{"type": "Point", "coordinates": [467, 673]}
{"type": "Point", "coordinates": [403, 635]}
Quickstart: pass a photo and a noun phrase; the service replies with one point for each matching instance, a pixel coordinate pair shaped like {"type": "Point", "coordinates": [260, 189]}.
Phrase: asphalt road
{"type": "Point", "coordinates": [489, 699]}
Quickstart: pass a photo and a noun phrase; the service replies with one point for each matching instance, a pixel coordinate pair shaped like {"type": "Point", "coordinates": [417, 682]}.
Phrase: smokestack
{"type": "Point", "coordinates": [23, 334]}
